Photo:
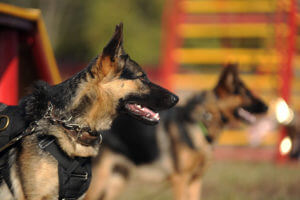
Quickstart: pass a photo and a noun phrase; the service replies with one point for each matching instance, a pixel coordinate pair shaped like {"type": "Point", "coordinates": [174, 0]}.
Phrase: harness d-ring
{"type": "Point", "coordinates": [6, 124]}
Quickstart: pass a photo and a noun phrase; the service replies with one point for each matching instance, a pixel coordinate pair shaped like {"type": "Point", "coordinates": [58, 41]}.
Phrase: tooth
{"type": "Point", "coordinates": [139, 106]}
{"type": "Point", "coordinates": [156, 116]}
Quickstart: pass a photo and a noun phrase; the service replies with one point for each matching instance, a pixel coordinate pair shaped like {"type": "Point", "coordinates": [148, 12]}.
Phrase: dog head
{"type": "Point", "coordinates": [230, 101]}
{"type": "Point", "coordinates": [127, 85]}
{"type": "Point", "coordinates": [236, 101]}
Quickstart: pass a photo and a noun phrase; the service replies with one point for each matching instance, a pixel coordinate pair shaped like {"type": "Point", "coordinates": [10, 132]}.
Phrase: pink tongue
{"type": "Point", "coordinates": [246, 115]}
{"type": "Point", "coordinates": [142, 111]}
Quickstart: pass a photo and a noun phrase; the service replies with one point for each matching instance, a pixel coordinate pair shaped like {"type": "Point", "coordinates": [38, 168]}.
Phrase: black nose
{"type": "Point", "coordinates": [257, 106]}
{"type": "Point", "coordinates": [261, 106]}
{"type": "Point", "coordinates": [174, 99]}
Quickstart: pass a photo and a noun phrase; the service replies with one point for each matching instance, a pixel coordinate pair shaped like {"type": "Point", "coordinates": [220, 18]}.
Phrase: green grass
{"type": "Point", "coordinates": [232, 181]}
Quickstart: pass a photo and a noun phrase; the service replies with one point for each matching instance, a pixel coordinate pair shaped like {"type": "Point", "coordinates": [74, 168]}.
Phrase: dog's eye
{"type": "Point", "coordinates": [127, 74]}
{"type": "Point", "coordinates": [140, 75]}
{"type": "Point", "coordinates": [248, 93]}
{"type": "Point", "coordinates": [125, 56]}
{"type": "Point", "coordinates": [144, 78]}
{"type": "Point", "coordinates": [236, 91]}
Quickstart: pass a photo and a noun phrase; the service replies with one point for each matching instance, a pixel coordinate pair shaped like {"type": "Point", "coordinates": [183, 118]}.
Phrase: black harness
{"type": "Point", "coordinates": [12, 125]}
{"type": "Point", "coordinates": [74, 173]}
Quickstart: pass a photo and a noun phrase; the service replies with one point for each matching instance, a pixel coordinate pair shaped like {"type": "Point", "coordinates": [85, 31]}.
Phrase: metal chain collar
{"type": "Point", "coordinates": [66, 122]}
{"type": "Point", "coordinates": [49, 116]}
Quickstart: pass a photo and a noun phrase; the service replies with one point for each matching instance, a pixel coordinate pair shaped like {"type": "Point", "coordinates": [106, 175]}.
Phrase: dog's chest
{"type": "Point", "coordinates": [50, 171]}
{"type": "Point", "coordinates": [47, 180]}
{"type": "Point", "coordinates": [39, 172]}
{"type": "Point", "coordinates": [195, 159]}
{"type": "Point", "coordinates": [198, 138]}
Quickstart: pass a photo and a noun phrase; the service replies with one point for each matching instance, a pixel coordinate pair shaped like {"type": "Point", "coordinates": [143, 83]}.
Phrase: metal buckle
{"type": "Point", "coordinates": [101, 138]}
{"type": "Point", "coordinates": [83, 176]}
{"type": "Point", "coordinates": [6, 124]}
{"type": "Point", "coordinates": [45, 142]}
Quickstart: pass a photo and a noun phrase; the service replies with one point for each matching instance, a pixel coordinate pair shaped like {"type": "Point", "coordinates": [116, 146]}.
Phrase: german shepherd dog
{"type": "Point", "coordinates": [111, 84]}
{"type": "Point", "coordinates": [180, 147]}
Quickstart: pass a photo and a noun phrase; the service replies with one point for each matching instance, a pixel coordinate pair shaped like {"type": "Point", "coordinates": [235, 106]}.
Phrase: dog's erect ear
{"type": "Point", "coordinates": [115, 46]}
{"type": "Point", "coordinates": [228, 80]}
{"type": "Point", "coordinates": [108, 61]}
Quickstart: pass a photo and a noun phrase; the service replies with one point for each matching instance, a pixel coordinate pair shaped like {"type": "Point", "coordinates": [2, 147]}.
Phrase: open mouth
{"type": "Point", "coordinates": [245, 115]}
{"type": "Point", "coordinates": [142, 112]}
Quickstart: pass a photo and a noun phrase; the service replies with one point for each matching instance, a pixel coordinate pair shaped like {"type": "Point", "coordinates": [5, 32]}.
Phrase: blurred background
{"type": "Point", "coordinates": [78, 30]}
{"type": "Point", "coordinates": [183, 45]}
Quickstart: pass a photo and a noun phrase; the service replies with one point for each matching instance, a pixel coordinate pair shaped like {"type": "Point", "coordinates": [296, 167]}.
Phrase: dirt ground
{"type": "Point", "coordinates": [233, 180]}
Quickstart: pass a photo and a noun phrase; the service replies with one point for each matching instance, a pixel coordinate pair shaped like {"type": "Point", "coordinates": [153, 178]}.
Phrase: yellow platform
{"type": "Point", "coordinates": [252, 30]}
{"type": "Point", "coordinates": [229, 6]}
{"type": "Point", "coordinates": [222, 55]}
{"type": "Point", "coordinates": [241, 138]}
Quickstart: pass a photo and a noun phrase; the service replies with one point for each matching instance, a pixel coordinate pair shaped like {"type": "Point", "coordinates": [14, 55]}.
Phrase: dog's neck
{"type": "Point", "coordinates": [74, 139]}
{"type": "Point", "coordinates": [202, 110]}
{"type": "Point", "coordinates": [72, 147]}
{"type": "Point", "coordinates": [93, 110]}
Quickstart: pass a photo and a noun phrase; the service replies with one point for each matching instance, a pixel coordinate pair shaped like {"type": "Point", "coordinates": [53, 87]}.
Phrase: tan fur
{"type": "Point", "coordinates": [194, 191]}
{"type": "Point", "coordinates": [4, 190]}
{"type": "Point", "coordinates": [112, 183]}
{"type": "Point", "coordinates": [39, 173]}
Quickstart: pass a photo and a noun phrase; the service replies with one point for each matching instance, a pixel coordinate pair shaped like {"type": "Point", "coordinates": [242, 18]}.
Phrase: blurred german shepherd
{"type": "Point", "coordinates": [111, 84]}
{"type": "Point", "coordinates": [180, 147]}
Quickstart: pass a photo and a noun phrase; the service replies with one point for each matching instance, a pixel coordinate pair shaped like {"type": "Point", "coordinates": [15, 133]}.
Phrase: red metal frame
{"type": "Point", "coordinates": [9, 62]}
{"type": "Point", "coordinates": [170, 41]}
{"type": "Point", "coordinates": [286, 72]}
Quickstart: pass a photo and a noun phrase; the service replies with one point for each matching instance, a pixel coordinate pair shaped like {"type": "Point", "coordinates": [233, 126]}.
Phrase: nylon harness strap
{"type": "Point", "coordinates": [5, 171]}
{"type": "Point", "coordinates": [74, 173]}
{"type": "Point", "coordinates": [205, 132]}
{"type": "Point", "coordinates": [184, 133]}
{"type": "Point", "coordinates": [3, 156]}
{"type": "Point", "coordinates": [12, 126]}
{"type": "Point", "coordinates": [12, 129]}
